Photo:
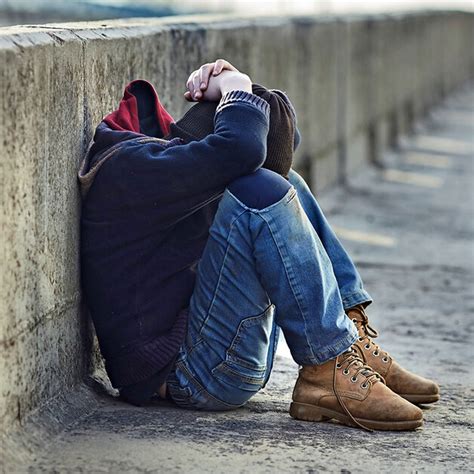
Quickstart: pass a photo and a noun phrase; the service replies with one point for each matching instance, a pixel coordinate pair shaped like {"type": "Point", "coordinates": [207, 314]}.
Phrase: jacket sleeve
{"type": "Point", "coordinates": [199, 170]}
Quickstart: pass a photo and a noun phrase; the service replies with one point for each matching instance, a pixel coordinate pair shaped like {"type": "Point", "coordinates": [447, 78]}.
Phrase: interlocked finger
{"type": "Point", "coordinates": [196, 92]}
{"type": "Point", "coordinates": [205, 72]}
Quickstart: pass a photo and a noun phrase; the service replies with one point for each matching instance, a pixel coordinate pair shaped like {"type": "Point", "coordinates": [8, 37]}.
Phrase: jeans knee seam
{"type": "Point", "coordinates": [268, 208]}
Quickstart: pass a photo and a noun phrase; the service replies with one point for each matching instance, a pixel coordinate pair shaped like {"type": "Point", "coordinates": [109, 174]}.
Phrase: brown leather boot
{"type": "Point", "coordinates": [351, 392]}
{"type": "Point", "coordinates": [412, 387]}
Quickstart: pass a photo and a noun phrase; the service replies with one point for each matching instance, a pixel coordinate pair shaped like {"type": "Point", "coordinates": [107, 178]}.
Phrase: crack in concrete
{"type": "Point", "coordinates": [58, 310]}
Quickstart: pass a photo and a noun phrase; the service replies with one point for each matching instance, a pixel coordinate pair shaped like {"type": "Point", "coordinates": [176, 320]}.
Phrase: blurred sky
{"type": "Point", "coordinates": [309, 6]}
{"type": "Point", "coordinates": [17, 12]}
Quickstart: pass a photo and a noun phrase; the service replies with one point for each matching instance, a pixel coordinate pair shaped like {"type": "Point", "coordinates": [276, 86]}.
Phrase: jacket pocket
{"type": "Point", "coordinates": [245, 365]}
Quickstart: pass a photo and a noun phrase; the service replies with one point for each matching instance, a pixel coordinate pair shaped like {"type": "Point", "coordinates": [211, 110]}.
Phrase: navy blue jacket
{"type": "Point", "coordinates": [148, 204]}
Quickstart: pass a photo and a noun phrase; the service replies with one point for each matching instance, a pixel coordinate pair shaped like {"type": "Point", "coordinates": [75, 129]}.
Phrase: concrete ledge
{"type": "Point", "coordinates": [357, 84]}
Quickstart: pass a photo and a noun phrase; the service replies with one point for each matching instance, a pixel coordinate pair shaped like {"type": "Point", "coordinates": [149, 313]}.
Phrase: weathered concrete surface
{"type": "Point", "coordinates": [352, 81]}
{"type": "Point", "coordinates": [410, 228]}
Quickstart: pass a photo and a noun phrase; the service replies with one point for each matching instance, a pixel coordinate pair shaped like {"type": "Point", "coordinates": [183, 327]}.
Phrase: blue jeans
{"type": "Point", "coordinates": [262, 271]}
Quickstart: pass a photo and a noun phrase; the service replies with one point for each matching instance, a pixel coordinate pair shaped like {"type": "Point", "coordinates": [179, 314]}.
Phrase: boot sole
{"type": "Point", "coordinates": [305, 412]}
{"type": "Point", "coordinates": [420, 398]}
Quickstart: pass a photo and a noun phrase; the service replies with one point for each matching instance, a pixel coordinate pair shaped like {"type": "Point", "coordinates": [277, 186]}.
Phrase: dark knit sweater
{"type": "Point", "coordinates": [148, 205]}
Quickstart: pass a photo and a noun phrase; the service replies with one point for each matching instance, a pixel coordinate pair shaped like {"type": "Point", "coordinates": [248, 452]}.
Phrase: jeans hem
{"type": "Point", "coordinates": [332, 351]}
{"type": "Point", "coordinates": [356, 298]}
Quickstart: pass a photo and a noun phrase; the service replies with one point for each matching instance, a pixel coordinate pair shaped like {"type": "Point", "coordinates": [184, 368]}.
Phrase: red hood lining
{"type": "Point", "coordinates": [126, 117]}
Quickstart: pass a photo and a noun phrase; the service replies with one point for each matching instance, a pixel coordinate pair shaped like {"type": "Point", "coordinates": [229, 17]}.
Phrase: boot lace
{"type": "Point", "coordinates": [351, 360]}
{"type": "Point", "coordinates": [369, 334]}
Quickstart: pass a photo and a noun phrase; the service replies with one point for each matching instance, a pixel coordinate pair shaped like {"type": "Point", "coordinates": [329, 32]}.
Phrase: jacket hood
{"type": "Point", "coordinates": [140, 113]}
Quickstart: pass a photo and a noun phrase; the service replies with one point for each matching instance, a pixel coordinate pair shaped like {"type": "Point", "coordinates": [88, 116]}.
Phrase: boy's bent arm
{"type": "Point", "coordinates": [202, 168]}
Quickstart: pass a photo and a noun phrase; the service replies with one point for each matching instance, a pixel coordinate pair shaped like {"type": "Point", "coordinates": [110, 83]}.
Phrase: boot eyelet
{"type": "Point", "coordinates": [353, 379]}
{"type": "Point", "coordinates": [376, 353]}
{"type": "Point", "coordinates": [364, 385]}
{"type": "Point", "coordinates": [367, 346]}
{"type": "Point", "coordinates": [360, 339]}
{"type": "Point", "coordinates": [385, 359]}
{"type": "Point", "coordinates": [354, 320]}
{"type": "Point", "coordinates": [345, 372]}
{"type": "Point", "coordinates": [338, 365]}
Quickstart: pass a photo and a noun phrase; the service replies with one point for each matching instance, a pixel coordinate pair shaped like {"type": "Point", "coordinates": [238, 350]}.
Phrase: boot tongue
{"type": "Point", "coordinates": [360, 319]}
{"type": "Point", "coordinates": [351, 356]}
{"type": "Point", "coordinates": [357, 313]}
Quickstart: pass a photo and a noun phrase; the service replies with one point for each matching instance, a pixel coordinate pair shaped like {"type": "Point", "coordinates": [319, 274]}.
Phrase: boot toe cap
{"type": "Point", "coordinates": [410, 386]}
{"type": "Point", "coordinates": [426, 392]}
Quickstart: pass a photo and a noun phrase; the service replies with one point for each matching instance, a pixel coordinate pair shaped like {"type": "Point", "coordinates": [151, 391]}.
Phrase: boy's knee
{"type": "Point", "coordinates": [259, 189]}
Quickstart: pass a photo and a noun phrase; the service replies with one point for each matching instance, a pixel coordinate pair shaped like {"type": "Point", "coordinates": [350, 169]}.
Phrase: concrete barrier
{"type": "Point", "coordinates": [356, 82]}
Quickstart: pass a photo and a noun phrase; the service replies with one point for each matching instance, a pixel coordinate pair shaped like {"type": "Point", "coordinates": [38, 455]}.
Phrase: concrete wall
{"type": "Point", "coordinates": [356, 82]}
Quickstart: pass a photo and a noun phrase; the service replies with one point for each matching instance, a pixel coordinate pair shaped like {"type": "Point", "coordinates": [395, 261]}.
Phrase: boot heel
{"type": "Point", "coordinates": [301, 411]}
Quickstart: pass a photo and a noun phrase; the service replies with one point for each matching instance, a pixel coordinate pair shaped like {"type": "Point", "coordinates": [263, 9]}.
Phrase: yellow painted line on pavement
{"type": "Point", "coordinates": [444, 144]}
{"type": "Point", "coordinates": [415, 179]}
{"type": "Point", "coordinates": [370, 238]}
{"type": "Point", "coordinates": [425, 159]}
